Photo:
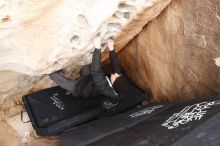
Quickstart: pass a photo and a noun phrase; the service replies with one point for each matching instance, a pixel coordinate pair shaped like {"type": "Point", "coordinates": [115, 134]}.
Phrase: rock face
{"type": "Point", "coordinates": [217, 61]}
{"type": "Point", "coordinates": [40, 36]}
{"type": "Point", "coordinates": [175, 55]}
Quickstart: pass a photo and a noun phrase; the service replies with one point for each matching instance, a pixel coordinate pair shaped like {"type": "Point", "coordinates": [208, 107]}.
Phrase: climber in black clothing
{"type": "Point", "coordinates": [93, 80]}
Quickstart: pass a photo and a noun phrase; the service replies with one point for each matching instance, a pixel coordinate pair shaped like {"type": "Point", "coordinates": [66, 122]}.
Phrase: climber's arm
{"type": "Point", "coordinates": [113, 57]}
{"type": "Point", "coordinates": [99, 77]}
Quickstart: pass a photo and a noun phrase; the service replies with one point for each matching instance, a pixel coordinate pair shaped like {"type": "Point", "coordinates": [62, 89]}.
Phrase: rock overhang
{"type": "Point", "coordinates": [39, 37]}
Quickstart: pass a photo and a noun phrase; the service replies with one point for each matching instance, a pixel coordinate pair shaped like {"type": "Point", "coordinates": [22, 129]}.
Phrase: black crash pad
{"type": "Point", "coordinates": [98, 129]}
{"type": "Point", "coordinates": [192, 123]}
{"type": "Point", "coordinates": [54, 110]}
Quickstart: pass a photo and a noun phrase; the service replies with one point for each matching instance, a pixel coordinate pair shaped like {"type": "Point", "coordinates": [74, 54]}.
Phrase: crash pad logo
{"type": "Point", "coordinates": [188, 114]}
{"type": "Point", "coordinates": [148, 110]}
{"type": "Point", "coordinates": [57, 102]}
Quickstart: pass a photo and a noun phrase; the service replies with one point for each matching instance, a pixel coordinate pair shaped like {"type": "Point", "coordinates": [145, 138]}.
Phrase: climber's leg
{"type": "Point", "coordinates": [63, 81]}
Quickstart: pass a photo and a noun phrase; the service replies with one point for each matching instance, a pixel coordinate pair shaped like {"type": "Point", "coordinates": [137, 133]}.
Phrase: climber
{"type": "Point", "coordinates": [95, 81]}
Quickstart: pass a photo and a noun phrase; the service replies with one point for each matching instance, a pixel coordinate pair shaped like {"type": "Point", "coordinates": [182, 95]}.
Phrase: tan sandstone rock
{"type": "Point", "coordinates": [175, 55]}
{"type": "Point", "coordinates": [40, 36]}
{"type": "Point", "coordinates": [217, 61]}
{"type": "Point", "coordinates": [10, 137]}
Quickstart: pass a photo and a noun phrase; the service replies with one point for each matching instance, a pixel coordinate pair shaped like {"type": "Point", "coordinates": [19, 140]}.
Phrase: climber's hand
{"type": "Point", "coordinates": [97, 43]}
{"type": "Point", "coordinates": [110, 44]}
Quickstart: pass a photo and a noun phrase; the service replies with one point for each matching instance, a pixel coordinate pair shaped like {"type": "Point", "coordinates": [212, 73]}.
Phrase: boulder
{"type": "Point", "coordinates": [176, 54]}
{"type": "Point", "coordinates": [39, 37]}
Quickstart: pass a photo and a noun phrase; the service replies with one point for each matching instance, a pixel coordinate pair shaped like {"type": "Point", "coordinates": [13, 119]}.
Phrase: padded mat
{"type": "Point", "coordinates": [188, 123]}
{"type": "Point", "coordinates": [53, 110]}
